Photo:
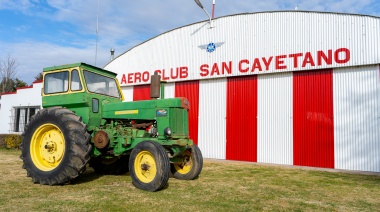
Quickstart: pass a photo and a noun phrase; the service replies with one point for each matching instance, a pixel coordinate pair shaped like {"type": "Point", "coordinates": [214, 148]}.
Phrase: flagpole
{"type": "Point", "coordinates": [213, 9]}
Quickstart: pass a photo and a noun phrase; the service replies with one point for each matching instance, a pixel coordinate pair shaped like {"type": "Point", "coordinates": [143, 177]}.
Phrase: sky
{"type": "Point", "coordinates": [44, 33]}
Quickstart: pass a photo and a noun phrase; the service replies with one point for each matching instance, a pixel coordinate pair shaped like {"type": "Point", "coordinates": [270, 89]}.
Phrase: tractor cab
{"type": "Point", "coordinates": [81, 88]}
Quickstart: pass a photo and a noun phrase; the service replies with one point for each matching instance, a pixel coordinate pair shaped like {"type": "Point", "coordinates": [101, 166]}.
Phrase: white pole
{"type": "Point", "coordinates": [97, 32]}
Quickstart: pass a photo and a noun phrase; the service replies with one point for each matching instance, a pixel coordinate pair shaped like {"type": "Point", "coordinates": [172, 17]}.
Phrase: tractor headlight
{"type": "Point", "coordinates": [168, 131]}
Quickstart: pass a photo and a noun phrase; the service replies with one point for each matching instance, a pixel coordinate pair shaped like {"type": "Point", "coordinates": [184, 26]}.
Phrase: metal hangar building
{"type": "Point", "coordinates": [285, 87]}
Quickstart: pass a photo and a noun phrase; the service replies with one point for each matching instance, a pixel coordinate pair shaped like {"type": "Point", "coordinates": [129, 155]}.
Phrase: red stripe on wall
{"type": "Point", "coordinates": [241, 121]}
{"type": "Point", "coordinates": [190, 90]}
{"type": "Point", "coordinates": [313, 124]}
{"type": "Point", "coordinates": [141, 92]}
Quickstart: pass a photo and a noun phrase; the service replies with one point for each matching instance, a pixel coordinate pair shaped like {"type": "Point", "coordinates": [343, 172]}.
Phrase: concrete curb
{"type": "Point", "coordinates": [295, 167]}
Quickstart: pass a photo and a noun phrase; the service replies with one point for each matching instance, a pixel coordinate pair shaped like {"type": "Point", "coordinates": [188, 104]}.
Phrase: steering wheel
{"type": "Point", "coordinates": [100, 91]}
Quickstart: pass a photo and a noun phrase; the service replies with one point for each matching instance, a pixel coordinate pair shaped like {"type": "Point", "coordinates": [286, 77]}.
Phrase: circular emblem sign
{"type": "Point", "coordinates": [211, 47]}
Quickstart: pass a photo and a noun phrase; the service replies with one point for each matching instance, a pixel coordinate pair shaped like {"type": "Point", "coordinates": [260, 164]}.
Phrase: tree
{"type": "Point", "coordinates": [11, 85]}
{"type": "Point", "coordinates": [8, 71]}
{"type": "Point", "coordinates": [39, 76]}
{"type": "Point", "coordinates": [17, 83]}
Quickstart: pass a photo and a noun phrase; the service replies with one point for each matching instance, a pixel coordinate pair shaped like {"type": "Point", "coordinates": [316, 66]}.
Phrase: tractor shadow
{"type": "Point", "coordinates": [87, 176]}
{"type": "Point", "coordinates": [90, 175]}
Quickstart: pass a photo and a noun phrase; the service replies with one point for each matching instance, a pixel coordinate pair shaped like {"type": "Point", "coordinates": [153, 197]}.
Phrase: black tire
{"type": "Point", "coordinates": [110, 166]}
{"type": "Point", "coordinates": [191, 166]}
{"type": "Point", "coordinates": [149, 166]}
{"type": "Point", "coordinates": [55, 147]}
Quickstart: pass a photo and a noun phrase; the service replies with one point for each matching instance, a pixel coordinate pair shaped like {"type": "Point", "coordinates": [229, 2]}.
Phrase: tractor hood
{"type": "Point", "coordinates": [147, 108]}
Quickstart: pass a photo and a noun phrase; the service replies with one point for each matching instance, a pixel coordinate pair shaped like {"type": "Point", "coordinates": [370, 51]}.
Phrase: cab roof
{"type": "Point", "coordinates": [81, 64]}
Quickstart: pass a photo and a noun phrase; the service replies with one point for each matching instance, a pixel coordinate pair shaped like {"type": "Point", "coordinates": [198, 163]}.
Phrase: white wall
{"type": "Point", "coordinates": [357, 118]}
{"type": "Point", "coordinates": [212, 118]}
{"type": "Point", "coordinates": [275, 122]}
{"type": "Point", "coordinates": [23, 97]}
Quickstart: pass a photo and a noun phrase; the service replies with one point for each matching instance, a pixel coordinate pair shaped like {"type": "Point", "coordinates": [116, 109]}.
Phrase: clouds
{"type": "Point", "coordinates": [19, 5]}
{"type": "Point", "coordinates": [40, 33]}
{"type": "Point", "coordinates": [33, 56]}
{"type": "Point", "coordinates": [347, 6]}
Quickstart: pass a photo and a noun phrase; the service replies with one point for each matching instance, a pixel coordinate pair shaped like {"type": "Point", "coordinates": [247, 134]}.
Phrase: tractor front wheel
{"type": "Point", "coordinates": [149, 166]}
{"type": "Point", "coordinates": [55, 147]}
{"type": "Point", "coordinates": [191, 165]}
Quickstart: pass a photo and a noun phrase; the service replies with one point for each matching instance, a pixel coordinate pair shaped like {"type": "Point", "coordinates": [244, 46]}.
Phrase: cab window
{"type": "Point", "coordinates": [75, 81]}
{"type": "Point", "coordinates": [56, 82]}
{"type": "Point", "coordinates": [101, 84]}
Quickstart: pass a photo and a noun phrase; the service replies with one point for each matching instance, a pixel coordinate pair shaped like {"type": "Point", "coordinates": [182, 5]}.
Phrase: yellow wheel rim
{"type": "Point", "coordinates": [47, 147]}
{"type": "Point", "coordinates": [145, 167]}
{"type": "Point", "coordinates": [186, 165]}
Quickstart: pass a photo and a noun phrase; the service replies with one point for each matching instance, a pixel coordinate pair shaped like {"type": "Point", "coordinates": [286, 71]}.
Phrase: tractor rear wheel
{"type": "Point", "coordinates": [110, 166]}
{"type": "Point", "coordinates": [149, 166]}
{"type": "Point", "coordinates": [191, 165]}
{"type": "Point", "coordinates": [55, 147]}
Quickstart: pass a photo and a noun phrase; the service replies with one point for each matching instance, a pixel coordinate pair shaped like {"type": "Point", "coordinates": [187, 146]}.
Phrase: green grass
{"type": "Point", "coordinates": [222, 186]}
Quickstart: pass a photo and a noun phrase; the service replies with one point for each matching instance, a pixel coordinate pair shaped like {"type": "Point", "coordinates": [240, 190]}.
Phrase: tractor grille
{"type": "Point", "coordinates": [178, 121]}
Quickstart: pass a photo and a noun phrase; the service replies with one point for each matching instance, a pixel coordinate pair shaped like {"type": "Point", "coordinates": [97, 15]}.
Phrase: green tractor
{"type": "Point", "coordinates": [84, 121]}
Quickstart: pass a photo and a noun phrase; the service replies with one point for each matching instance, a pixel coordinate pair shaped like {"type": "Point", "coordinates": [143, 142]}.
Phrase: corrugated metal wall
{"type": "Point", "coordinates": [141, 92]}
{"type": "Point", "coordinates": [212, 118]}
{"type": "Point", "coordinates": [313, 125]}
{"type": "Point", "coordinates": [128, 93]}
{"type": "Point", "coordinates": [321, 118]}
{"type": "Point", "coordinates": [190, 90]}
{"type": "Point", "coordinates": [357, 118]}
{"type": "Point", "coordinates": [275, 118]}
{"type": "Point", "coordinates": [169, 90]}
{"type": "Point", "coordinates": [241, 121]}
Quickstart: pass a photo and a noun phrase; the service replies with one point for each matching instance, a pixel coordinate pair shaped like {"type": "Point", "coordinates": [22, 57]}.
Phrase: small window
{"type": "Point", "coordinates": [21, 116]}
{"type": "Point", "coordinates": [95, 105]}
{"type": "Point", "coordinates": [56, 82]}
{"type": "Point", "coordinates": [75, 81]}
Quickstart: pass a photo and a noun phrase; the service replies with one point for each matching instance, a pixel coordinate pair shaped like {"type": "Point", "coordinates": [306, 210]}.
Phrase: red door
{"type": "Point", "coordinates": [141, 92]}
{"type": "Point", "coordinates": [313, 124]}
{"type": "Point", "coordinates": [241, 118]}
